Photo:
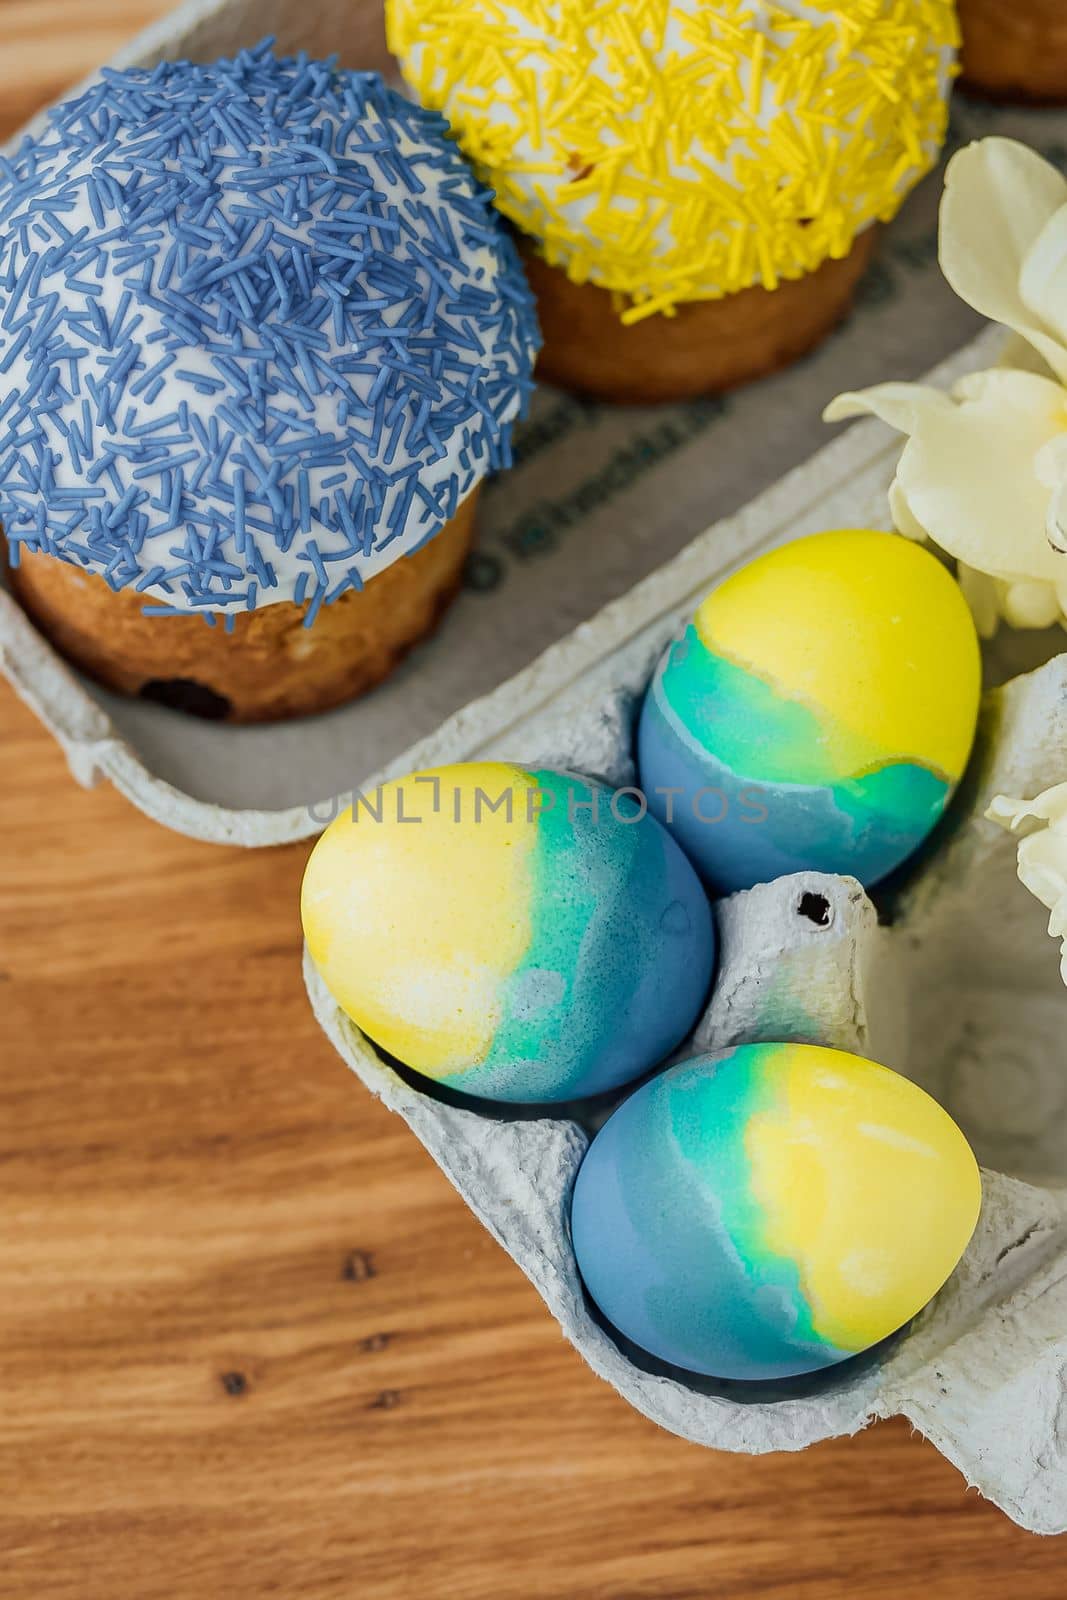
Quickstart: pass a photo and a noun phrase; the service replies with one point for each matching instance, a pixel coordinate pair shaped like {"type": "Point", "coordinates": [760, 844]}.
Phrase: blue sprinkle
{"type": "Point", "coordinates": [317, 601]}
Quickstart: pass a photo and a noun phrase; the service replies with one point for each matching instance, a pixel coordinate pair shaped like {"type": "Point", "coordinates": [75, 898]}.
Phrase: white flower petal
{"type": "Point", "coordinates": [999, 196]}
{"type": "Point", "coordinates": [1030, 604]}
{"type": "Point", "coordinates": [1042, 857]}
{"type": "Point", "coordinates": [982, 594]}
{"type": "Point", "coordinates": [1043, 867]}
{"type": "Point", "coordinates": [1051, 468]}
{"type": "Point", "coordinates": [1007, 811]}
{"type": "Point", "coordinates": [901, 405]}
{"type": "Point", "coordinates": [968, 474]}
{"type": "Point", "coordinates": [1014, 351]}
{"type": "Point", "coordinates": [1056, 519]}
{"type": "Point", "coordinates": [1043, 276]}
{"type": "Point", "coordinates": [1050, 463]}
{"type": "Point", "coordinates": [904, 519]}
{"type": "Point", "coordinates": [1051, 806]}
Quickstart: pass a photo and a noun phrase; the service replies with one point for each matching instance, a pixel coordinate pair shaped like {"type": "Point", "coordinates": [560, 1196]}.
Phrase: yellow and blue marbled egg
{"type": "Point", "coordinates": [771, 1211]}
{"type": "Point", "coordinates": [519, 935]}
{"type": "Point", "coordinates": [817, 713]}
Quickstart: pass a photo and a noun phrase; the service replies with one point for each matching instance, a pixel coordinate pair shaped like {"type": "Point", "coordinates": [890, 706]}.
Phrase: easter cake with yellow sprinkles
{"type": "Point", "coordinates": [671, 163]}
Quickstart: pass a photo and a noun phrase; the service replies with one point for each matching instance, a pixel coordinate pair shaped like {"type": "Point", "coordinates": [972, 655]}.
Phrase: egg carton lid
{"type": "Point", "coordinates": [598, 498]}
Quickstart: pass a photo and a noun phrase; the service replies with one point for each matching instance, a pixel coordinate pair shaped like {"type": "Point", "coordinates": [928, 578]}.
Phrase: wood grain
{"type": "Point", "coordinates": [251, 1342]}
{"type": "Point", "coordinates": [47, 44]}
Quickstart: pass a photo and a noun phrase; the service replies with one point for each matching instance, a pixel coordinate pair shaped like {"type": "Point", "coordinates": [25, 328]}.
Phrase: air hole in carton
{"type": "Point", "coordinates": [816, 908]}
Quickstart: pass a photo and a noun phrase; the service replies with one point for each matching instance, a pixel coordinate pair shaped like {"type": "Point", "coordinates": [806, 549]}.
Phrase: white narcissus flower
{"type": "Point", "coordinates": [971, 479]}
{"type": "Point", "coordinates": [1002, 243]}
{"type": "Point", "coordinates": [1042, 855]}
{"type": "Point", "coordinates": [984, 472]}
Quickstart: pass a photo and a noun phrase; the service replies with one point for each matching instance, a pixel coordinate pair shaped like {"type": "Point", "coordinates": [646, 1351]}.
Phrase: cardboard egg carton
{"type": "Point", "coordinates": [953, 980]}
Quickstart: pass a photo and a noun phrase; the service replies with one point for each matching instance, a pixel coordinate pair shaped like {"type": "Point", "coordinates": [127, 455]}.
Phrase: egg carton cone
{"type": "Point", "coordinates": [598, 499]}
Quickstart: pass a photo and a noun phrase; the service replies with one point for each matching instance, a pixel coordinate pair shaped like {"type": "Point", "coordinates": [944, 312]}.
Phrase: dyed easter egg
{"type": "Point", "coordinates": [817, 713]}
{"type": "Point", "coordinates": [772, 1210]}
{"type": "Point", "coordinates": [519, 935]}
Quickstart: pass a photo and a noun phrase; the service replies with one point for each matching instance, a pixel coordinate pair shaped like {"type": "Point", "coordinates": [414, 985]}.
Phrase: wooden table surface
{"type": "Point", "coordinates": [251, 1341]}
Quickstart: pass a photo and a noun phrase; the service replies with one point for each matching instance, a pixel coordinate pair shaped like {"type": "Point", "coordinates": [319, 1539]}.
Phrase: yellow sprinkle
{"type": "Point", "coordinates": [755, 82]}
{"type": "Point", "coordinates": [736, 252]}
{"type": "Point", "coordinates": [768, 276]}
{"type": "Point", "coordinates": [669, 149]}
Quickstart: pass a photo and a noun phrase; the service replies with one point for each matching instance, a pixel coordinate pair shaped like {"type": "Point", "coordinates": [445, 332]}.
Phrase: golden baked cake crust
{"type": "Point", "coordinates": [269, 666]}
{"type": "Point", "coordinates": [704, 347]}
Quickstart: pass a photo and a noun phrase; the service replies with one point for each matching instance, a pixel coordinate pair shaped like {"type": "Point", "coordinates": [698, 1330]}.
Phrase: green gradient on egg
{"type": "Point", "coordinates": [754, 726]}
{"type": "Point", "coordinates": [761, 734]}
{"type": "Point", "coordinates": [750, 1090]}
{"type": "Point", "coordinates": [865, 631]}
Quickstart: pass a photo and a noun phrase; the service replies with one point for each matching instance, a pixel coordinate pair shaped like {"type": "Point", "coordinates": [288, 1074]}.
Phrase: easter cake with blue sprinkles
{"type": "Point", "coordinates": [262, 336]}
